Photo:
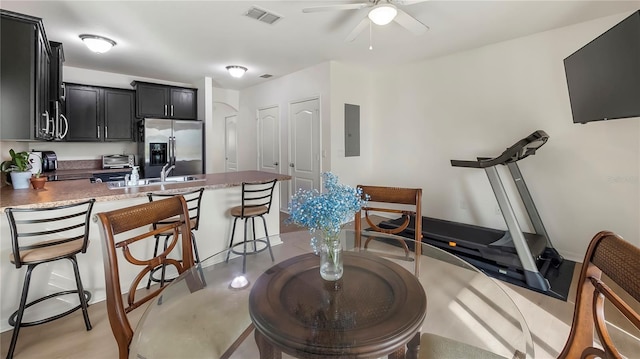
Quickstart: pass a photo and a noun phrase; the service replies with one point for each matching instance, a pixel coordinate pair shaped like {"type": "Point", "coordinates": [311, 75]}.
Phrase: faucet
{"type": "Point", "coordinates": [165, 171]}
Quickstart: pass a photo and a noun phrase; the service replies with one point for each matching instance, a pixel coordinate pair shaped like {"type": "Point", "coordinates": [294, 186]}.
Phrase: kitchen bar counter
{"type": "Point", "coordinates": [67, 192]}
{"type": "Point", "coordinates": [222, 191]}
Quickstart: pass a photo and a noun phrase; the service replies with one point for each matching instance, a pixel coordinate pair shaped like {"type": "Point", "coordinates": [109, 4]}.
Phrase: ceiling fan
{"type": "Point", "coordinates": [382, 12]}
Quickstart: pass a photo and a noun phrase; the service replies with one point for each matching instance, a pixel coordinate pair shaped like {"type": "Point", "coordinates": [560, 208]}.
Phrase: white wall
{"type": "Point", "coordinates": [304, 84]}
{"type": "Point", "coordinates": [477, 103]}
{"type": "Point", "coordinates": [353, 85]}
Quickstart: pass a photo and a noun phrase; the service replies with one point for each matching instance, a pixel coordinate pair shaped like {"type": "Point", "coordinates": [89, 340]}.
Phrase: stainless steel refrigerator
{"type": "Point", "coordinates": [172, 142]}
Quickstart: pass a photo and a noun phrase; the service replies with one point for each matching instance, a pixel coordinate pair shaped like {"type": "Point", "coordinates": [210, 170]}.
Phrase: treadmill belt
{"type": "Point", "coordinates": [448, 231]}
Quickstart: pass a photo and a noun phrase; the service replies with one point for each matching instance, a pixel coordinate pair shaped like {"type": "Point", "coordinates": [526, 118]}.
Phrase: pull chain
{"type": "Point", "coordinates": [370, 36]}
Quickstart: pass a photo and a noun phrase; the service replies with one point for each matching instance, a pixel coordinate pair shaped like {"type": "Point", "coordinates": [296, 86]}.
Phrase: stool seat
{"type": "Point", "coordinates": [50, 252]}
{"type": "Point", "coordinates": [193, 224]}
{"type": "Point", "coordinates": [249, 212]}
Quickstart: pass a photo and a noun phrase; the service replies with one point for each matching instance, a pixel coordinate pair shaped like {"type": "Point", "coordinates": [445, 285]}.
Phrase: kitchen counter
{"type": "Point", "coordinates": [73, 191]}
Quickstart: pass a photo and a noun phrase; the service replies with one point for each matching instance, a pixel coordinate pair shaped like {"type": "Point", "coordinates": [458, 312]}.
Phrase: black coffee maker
{"type": "Point", "coordinates": [49, 161]}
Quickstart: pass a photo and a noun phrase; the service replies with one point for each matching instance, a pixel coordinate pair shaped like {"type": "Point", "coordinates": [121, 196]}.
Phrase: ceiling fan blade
{"type": "Point", "coordinates": [410, 23]}
{"type": "Point", "coordinates": [335, 7]}
{"type": "Point", "coordinates": [357, 30]}
{"type": "Point", "coordinates": [408, 2]}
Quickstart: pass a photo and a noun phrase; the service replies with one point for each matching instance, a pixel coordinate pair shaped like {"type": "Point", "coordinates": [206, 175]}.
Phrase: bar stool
{"type": "Point", "coordinates": [256, 202]}
{"type": "Point", "coordinates": [43, 235]}
{"type": "Point", "coordinates": [193, 199]}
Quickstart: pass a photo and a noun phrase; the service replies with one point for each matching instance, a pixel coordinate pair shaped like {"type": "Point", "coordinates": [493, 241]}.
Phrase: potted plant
{"type": "Point", "coordinates": [18, 168]}
{"type": "Point", "coordinates": [38, 181]}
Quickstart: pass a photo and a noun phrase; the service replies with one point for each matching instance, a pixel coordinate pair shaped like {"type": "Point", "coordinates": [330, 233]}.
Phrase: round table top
{"type": "Point", "coordinates": [376, 307]}
{"type": "Point", "coordinates": [199, 315]}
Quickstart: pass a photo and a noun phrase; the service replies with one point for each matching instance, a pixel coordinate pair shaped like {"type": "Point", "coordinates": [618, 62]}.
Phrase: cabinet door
{"type": "Point", "coordinates": [17, 44]}
{"type": "Point", "coordinates": [118, 114]}
{"type": "Point", "coordinates": [183, 104]}
{"type": "Point", "coordinates": [83, 114]}
{"type": "Point", "coordinates": [151, 101]}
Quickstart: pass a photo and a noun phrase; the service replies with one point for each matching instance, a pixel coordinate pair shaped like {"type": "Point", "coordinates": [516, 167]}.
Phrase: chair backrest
{"type": "Point", "coordinates": [619, 260]}
{"type": "Point", "coordinates": [193, 199]}
{"type": "Point", "coordinates": [378, 196]}
{"type": "Point", "coordinates": [114, 228]}
{"type": "Point", "coordinates": [63, 224]}
{"type": "Point", "coordinates": [257, 195]}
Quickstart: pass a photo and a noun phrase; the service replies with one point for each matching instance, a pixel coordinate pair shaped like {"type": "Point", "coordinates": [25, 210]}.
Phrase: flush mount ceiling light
{"type": "Point", "coordinates": [97, 44]}
{"type": "Point", "coordinates": [383, 14]}
{"type": "Point", "coordinates": [236, 71]}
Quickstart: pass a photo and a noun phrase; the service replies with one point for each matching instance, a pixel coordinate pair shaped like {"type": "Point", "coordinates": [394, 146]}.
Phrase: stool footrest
{"type": "Point", "coordinates": [252, 242]}
{"type": "Point", "coordinates": [12, 318]}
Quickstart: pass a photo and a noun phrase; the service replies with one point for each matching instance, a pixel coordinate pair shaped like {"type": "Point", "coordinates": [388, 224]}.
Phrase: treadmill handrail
{"type": "Point", "coordinates": [520, 150]}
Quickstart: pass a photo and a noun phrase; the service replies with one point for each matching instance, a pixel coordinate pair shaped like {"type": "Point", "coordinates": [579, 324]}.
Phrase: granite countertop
{"type": "Point", "coordinates": [67, 192]}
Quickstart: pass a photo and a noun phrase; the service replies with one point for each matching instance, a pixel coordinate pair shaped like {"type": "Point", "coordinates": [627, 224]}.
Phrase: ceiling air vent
{"type": "Point", "coordinates": [266, 76]}
{"type": "Point", "coordinates": [262, 15]}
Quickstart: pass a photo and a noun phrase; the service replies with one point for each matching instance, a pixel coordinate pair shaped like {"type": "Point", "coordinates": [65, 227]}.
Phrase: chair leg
{"type": "Point", "coordinates": [264, 222]}
{"type": "Point", "coordinates": [164, 266]}
{"type": "Point", "coordinates": [83, 298]}
{"type": "Point", "coordinates": [244, 253]}
{"type": "Point", "coordinates": [20, 312]}
{"type": "Point", "coordinates": [155, 253]}
{"type": "Point", "coordinates": [233, 231]}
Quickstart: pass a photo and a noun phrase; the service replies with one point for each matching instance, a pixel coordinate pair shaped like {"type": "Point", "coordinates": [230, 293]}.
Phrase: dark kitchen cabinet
{"type": "Point", "coordinates": [161, 101]}
{"type": "Point", "coordinates": [98, 114]}
{"type": "Point", "coordinates": [24, 77]}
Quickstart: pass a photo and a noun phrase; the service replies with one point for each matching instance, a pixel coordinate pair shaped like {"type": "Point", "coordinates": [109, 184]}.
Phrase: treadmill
{"type": "Point", "coordinates": [512, 255]}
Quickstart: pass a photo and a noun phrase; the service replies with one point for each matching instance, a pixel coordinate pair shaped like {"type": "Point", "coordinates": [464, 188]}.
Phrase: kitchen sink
{"type": "Point", "coordinates": [154, 181]}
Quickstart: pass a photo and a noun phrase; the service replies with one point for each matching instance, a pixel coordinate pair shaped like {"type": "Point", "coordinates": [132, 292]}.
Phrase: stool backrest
{"type": "Point", "coordinates": [123, 229]}
{"type": "Point", "coordinates": [257, 195]}
{"type": "Point", "coordinates": [381, 200]}
{"type": "Point", "coordinates": [193, 199]}
{"type": "Point", "coordinates": [33, 228]}
{"type": "Point", "coordinates": [619, 260]}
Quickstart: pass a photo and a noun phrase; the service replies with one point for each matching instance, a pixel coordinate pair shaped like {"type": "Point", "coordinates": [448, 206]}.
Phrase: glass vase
{"type": "Point", "coordinates": [331, 268]}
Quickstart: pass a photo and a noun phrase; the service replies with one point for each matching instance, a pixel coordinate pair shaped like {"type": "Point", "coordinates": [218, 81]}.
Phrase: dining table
{"type": "Point", "coordinates": [284, 308]}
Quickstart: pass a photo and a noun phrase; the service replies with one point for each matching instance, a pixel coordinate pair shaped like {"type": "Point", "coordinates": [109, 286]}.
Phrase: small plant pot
{"type": "Point", "coordinates": [38, 182]}
{"type": "Point", "coordinates": [20, 180]}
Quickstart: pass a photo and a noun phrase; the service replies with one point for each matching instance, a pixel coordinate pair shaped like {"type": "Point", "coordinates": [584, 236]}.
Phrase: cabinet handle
{"type": "Point", "coordinates": [165, 110]}
{"type": "Point", "coordinates": [66, 126]}
{"type": "Point", "coordinates": [171, 110]}
{"type": "Point", "coordinates": [98, 131]}
{"type": "Point", "coordinates": [106, 132]}
{"type": "Point", "coordinates": [46, 118]}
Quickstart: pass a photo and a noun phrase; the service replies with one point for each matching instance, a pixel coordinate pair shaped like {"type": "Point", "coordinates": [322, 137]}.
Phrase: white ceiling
{"type": "Point", "coordinates": [183, 41]}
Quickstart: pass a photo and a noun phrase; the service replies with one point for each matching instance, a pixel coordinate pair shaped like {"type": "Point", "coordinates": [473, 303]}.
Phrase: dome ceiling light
{"type": "Point", "coordinates": [97, 44]}
{"type": "Point", "coordinates": [236, 71]}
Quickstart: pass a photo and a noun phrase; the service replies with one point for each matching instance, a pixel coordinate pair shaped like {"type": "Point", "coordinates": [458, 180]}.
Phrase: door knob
{"type": "Point", "coordinates": [291, 164]}
{"type": "Point", "coordinates": [275, 163]}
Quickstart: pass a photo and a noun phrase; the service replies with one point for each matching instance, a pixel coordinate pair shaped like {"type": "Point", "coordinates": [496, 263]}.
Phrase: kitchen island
{"type": "Point", "coordinates": [222, 191]}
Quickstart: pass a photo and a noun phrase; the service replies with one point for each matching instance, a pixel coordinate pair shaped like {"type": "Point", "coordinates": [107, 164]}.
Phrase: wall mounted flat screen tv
{"type": "Point", "coordinates": [604, 75]}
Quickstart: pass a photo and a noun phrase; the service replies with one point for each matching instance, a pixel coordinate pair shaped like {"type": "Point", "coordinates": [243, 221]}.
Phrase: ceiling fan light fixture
{"type": "Point", "coordinates": [236, 71]}
{"type": "Point", "coordinates": [97, 44]}
{"type": "Point", "coordinates": [383, 14]}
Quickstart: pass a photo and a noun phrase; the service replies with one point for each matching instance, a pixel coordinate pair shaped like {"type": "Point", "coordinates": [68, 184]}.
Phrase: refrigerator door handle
{"type": "Point", "coordinates": [173, 152]}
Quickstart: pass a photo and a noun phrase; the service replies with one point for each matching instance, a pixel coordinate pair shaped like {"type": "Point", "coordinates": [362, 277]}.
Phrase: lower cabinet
{"type": "Point", "coordinates": [99, 113]}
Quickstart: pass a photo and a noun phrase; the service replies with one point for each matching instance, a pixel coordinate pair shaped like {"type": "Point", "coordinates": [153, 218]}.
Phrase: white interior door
{"type": "Point", "coordinates": [230, 144]}
{"type": "Point", "coordinates": [269, 140]}
{"type": "Point", "coordinates": [304, 137]}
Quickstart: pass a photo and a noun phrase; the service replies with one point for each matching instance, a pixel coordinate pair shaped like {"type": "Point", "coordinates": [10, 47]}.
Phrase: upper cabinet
{"type": "Point", "coordinates": [56, 89]}
{"type": "Point", "coordinates": [97, 114]}
{"type": "Point", "coordinates": [161, 101]}
{"type": "Point", "coordinates": [24, 78]}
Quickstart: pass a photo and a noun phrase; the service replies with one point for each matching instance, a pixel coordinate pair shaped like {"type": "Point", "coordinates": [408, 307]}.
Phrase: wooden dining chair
{"type": "Point", "coordinates": [383, 198]}
{"type": "Point", "coordinates": [619, 260]}
{"type": "Point", "coordinates": [114, 228]}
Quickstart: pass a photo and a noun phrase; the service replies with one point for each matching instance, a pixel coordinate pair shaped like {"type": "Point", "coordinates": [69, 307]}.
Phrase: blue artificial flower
{"type": "Point", "coordinates": [327, 211]}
